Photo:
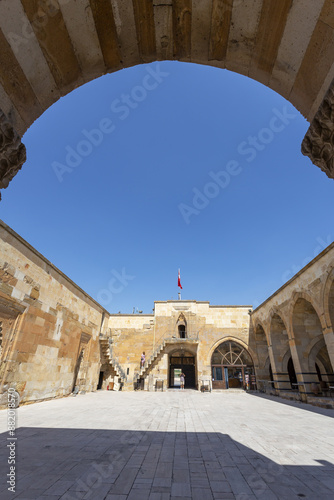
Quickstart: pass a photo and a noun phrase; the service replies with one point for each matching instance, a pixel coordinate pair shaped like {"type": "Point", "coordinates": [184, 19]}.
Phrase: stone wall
{"type": "Point", "coordinates": [296, 325]}
{"type": "Point", "coordinates": [131, 335]}
{"type": "Point", "coordinates": [54, 337]}
{"type": "Point", "coordinates": [50, 327]}
{"type": "Point", "coordinates": [206, 326]}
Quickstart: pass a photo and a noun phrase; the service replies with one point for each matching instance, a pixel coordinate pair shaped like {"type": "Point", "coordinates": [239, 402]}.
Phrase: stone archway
{"type": "Point", "coordinates": [50, 47]}
{"type": "Point", "coordinates": [307, 330]}
{"type": "Point", "coordinates": [320, 362]}
{"type": "Point", "coordinates": [282, 363]}
{"type": "Point", "coordinates": [261, 346]}
{"type": "Point", "coordinates": [321, 366]}
{"type": "Point", "coordinates": [231, 366]}
{"type": "Point", "coordinates": [182, 361]}
{"type": "Point", "coordinates": [82, 364]}
{"type": "Point", "coordinates": [181, 327]}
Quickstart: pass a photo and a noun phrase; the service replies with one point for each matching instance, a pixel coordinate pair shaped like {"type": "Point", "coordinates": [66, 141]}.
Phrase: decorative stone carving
{"type": "Point", "coordinates": [318, 143]}
{"type": "Point", "coordinates": [12, 152]}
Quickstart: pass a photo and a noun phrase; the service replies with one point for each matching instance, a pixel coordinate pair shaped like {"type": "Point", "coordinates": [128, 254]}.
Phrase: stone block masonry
{"type": "Point", "coordinates": [55, 338]}
{"type": "Point", "coordinates": [50, 327]}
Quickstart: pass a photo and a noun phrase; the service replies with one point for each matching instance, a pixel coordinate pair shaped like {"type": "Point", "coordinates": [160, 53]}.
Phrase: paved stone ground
{"type": "Point", "coordinates": [174, 445]}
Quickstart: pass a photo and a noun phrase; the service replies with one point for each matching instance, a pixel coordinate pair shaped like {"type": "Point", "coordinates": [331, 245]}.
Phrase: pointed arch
{"type": "Point", "coordinates": [181, 326]}
{"type": "Point", "coordinates": [319, 361]}
{"type": "Point", "coordinates": [307, 297]}
{"type": "Point", "coordinates": [307, 327]}
{"type": "Point", "coordinates": [279, 340]}
{"type": "Point", "coordinates": [260, 332]}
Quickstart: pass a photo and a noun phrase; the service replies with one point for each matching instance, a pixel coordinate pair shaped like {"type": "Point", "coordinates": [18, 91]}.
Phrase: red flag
{"type": "Point", "coordinates": [179, 281]}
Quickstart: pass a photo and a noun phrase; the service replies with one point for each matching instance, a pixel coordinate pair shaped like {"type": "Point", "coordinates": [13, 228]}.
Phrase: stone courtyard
{"type": "Point", "coordinates": [171, 445]}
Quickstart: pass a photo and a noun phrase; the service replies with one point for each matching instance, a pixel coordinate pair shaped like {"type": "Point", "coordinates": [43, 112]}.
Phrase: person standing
{"type": "Point", "coordinates": [142, 360]}
{"type": "Point", "coordinates": [182, 380]}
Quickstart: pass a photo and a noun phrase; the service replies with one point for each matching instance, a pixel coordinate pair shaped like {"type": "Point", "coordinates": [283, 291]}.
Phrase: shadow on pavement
{"type": "Point", "coordinates": [71, 464]}
{"type": "Point", "coordinates": [328, 412]}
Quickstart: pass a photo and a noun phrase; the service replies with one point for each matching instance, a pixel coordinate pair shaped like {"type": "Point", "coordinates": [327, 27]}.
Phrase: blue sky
{"type": "Point", "coordinates": [166, 166]}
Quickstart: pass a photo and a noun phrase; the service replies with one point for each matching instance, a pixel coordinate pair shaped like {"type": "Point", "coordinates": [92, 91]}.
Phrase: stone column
{"type": "Point", "coordinates": [318, 143]}
{"type": "Point", "coordinates": [12, 152]}
{"type": "Point", "coordinates": [305, 378]}
{"type": "Point", "coordinates": [281, 379]}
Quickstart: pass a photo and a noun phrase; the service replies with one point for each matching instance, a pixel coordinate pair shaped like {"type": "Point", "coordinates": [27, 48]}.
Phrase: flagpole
{"type": "Point", "coordinates": [179, 283]}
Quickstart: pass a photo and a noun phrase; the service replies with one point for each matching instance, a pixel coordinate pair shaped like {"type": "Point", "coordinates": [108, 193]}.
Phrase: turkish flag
{"type": "Point", "coordinates": [179, 281]}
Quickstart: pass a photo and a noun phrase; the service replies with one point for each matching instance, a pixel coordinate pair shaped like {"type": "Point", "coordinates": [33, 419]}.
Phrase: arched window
{"type": "Point", "coordinates": [232, 366]}
{"type": "Point", "coordinates": [231, 353]}
{"type": "Point", "coordinates": [182, 327]}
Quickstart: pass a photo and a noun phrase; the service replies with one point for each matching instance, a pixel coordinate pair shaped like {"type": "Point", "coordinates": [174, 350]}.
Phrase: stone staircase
{"type": "Point", "coordinates": [158, 353]}
{"type": "Point", "coordinates": [111, 359]}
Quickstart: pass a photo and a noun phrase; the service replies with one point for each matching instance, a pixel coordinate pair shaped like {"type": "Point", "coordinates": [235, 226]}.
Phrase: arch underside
{"type": "Point", "coordinates": [49, 47]}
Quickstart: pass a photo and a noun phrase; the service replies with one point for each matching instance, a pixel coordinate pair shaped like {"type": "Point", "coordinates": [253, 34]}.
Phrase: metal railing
{"type": "Point", "coordinates": [265, 385]}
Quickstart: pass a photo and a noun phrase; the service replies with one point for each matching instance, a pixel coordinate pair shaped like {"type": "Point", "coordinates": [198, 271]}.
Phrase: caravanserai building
{"type": "Point", "coordinates": [56, 340]}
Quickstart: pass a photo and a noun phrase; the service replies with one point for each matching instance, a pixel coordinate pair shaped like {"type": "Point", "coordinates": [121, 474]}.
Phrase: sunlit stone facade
{"type": "Point", "coordinates": [55, 339]}
{"type": "Point", "coordinates": [180, 335]}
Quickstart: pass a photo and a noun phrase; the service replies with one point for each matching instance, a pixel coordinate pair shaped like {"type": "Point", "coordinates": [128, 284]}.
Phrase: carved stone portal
{"type": "Point", "coordinates": [12, 152]}
{"type": "Point", "coordinates": [318, 143]}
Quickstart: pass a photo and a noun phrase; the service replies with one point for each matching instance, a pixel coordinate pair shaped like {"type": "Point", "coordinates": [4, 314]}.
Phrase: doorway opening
{"type": "Point", "coordinates": [99, 385]}
{"type": "Point", "coordinates": [232, 367]}
{"type": "Point", "coordinates": [292, 374]}
{"type": "Point", "coordinates": [182, 362]}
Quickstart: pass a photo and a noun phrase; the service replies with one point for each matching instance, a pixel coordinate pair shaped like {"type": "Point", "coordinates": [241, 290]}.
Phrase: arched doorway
{"type": "Point", "coordinates": [231, 366]}
{"type": "Point", "coordinates": [310, 343]}
{"type": "Point", "coordinates": [320, 360]}
{"type": "Point", "coordinates": [182, 362]}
